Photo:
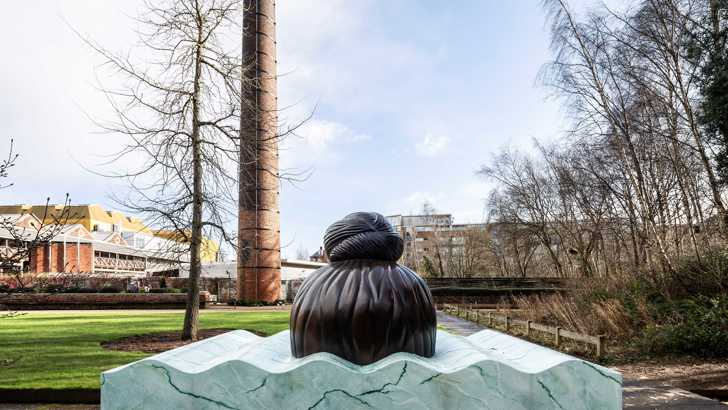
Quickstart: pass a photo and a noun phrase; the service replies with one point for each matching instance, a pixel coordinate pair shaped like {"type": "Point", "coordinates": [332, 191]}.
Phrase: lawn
{"type": "Point", "coordinates": [62, 350]}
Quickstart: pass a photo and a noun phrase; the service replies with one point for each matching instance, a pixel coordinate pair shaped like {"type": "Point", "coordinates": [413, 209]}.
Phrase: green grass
{"type": "Point", "coordinates": [62, 350]}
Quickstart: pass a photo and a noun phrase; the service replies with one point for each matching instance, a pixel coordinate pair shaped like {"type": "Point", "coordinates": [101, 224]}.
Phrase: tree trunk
{"type": "Point", "coordinates": [189, 330]}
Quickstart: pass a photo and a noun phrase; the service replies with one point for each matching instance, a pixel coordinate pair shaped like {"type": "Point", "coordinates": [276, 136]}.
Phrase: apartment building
{"type": "Point", "coordinates": [433, 242]}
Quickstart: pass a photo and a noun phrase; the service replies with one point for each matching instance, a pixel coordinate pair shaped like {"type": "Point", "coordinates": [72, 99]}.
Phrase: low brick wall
{"type": "Point", "coordinates": [51, 301]}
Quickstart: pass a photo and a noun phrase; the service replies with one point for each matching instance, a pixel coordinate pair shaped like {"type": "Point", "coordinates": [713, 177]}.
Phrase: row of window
{"type": "Point", "coordinates": [102, 254]}
{"type": "Point", "coordinates": [457, 240]}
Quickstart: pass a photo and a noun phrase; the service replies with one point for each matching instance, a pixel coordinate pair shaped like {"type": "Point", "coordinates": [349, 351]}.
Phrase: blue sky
{"type": "Point", "coordinates": [411, 99]}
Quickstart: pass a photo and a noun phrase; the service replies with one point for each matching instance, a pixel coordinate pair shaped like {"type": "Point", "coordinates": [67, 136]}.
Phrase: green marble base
{"type": "Point", "coordinates": [239, 370]}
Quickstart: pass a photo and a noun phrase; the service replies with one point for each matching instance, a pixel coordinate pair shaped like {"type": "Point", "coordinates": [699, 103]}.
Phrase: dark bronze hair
{"type": "Point", "coordinates": [363, 306]}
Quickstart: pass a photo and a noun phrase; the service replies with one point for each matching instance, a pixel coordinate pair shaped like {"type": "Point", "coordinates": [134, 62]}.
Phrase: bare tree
{"type": "Point", "coordinates": [6, 164]}
{"type": "Point", "coordinates": [302, 253]}
{"type": "Point", "coordinates": [469, 252]}
{"type": "Point", "coordinates": [181, 111]}
{"type": "Point", "coordinates": [526, 197]}
{"type": "Point", "coordinates": [26, 238]}
{"type": "Point", "coordinates": [23, 240]}
{"type": "Point", "coordinates": [633, 186]}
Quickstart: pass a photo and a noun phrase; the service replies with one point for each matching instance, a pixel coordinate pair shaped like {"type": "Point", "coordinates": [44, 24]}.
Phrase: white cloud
{"type": "Point", "coordinates": [320, 134]}
{"type": "Point", "coordinates": [315, 142]}
{"type": "Point", "coordinates": [431, 145]}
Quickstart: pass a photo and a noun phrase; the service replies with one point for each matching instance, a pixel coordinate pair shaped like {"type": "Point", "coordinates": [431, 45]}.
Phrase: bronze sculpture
{"type": "Point", "coordinates": [363, 306]}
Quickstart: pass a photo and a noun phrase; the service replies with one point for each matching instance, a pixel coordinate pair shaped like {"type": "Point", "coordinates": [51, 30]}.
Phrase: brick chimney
{"type": "Point", "coordinates": [259, 253]}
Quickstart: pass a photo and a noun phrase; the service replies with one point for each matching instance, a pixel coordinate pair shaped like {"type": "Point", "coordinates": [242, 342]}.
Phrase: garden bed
{"type": "Point", "coordinates": [158, 342]}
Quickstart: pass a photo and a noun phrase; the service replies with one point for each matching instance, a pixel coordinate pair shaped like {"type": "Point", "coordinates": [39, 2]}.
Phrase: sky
{"type": "Point", "coordinates": [408, 99]}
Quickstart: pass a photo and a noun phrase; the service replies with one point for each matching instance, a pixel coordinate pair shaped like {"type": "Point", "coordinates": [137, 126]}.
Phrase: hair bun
{"type": "Point", "coordinates": [362, 235]}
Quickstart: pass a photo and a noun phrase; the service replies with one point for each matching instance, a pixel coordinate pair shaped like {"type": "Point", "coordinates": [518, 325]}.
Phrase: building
{"type": "Point", "coordinates": [435, 245]}
{"type": "Point", "coordinates": [95, 240]}
{"type": "Point", "coordinates": [220, 278]}
{"type": "Point", "coordinates": [11, 249]}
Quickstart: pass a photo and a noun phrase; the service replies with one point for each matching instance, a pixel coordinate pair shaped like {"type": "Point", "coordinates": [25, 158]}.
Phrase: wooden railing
{"type": "Point", "coordinates": [500, 283]}
{"type": "Point", "coordinates": [101, 262]}
{"type": "Point", "coordinates": [492, 319]}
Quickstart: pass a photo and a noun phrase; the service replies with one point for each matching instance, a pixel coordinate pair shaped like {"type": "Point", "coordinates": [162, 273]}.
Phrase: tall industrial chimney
{"type": "Point", "coordinates": [259, 243]}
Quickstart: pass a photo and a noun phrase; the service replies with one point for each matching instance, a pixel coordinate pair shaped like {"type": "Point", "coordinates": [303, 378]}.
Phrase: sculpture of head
{"type": "Point", "coordinates": [363, 306]}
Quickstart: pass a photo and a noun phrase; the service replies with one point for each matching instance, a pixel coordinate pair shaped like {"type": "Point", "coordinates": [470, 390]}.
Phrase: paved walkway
{"type": "Point", "coordinates": [456, 325]}
{"type": "Point", "coordinates": [636, 395]}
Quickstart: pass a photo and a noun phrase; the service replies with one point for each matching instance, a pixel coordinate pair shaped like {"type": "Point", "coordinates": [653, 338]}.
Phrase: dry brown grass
{"type": "Point", "coordinates": [567, 311]}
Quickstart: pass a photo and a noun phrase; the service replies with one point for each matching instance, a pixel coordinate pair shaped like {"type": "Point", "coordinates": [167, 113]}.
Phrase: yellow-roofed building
{"type": "Point", "coordinates": [95, 218]}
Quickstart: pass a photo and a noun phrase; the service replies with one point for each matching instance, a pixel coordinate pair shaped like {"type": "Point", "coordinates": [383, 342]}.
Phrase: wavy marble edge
{"type": "Point", "coordinates": [453, 354]}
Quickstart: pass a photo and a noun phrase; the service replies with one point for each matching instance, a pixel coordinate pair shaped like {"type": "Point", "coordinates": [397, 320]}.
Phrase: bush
{"type": "Point", "coordinates": [5, 288]}
{"type": "Point", "coordinates": [236, 302]}
{"type": "Point", "coordinates": [680, 312]}
{"type": "Point", "coordinates": [697, 326]}
{"type": "Point", "coordinates": [71, 289]}
{"type": "Point", "coordinates": [53, 288]}
{"type": "Point", "coordinates": [165, 290]}
{"type": "Point", "coordinates": [24, 290]}
{"type": "Point", "coordinates": [109, 289]}
{"type": "Point", "coordinates": [76, 289]}
{"type": "Point", "coordinates": [705, 276]}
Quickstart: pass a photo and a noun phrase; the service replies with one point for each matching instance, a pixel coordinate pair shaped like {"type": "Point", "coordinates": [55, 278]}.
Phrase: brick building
{"type": "Point", "coordinates": [98, 241]}
{"type": "Point", "coordinates": [76, 250]}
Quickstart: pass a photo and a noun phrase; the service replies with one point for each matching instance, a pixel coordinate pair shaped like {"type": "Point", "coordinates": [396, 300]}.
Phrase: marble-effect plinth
{"type": "Point", "coordinates": [239, 370]}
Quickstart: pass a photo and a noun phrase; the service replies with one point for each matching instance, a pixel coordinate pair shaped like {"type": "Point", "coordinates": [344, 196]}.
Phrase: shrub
{"type": "Point", "coordinates": [165, 290]}
{"type": "Point", "coordinates": [24, 290]}
{"type": "Point", "coordinates": [236, 302]}
{"type": "Point", "coordinates": [706, 276]}
{"type": "Point", "coordinates": [53, 288]}
{"type": "Point", "coordinates": [109, 289]}
{"type": "Point", "coordinates": [76, 289]}
{"type": "Point", "coordinates": [87, 290]}
{"type": "Point", "coordinates": [697, 326]}
{"type": "Point", "coordinates": [680, 312]}
{"type": "Point", "coordinates": [71, 289]}
{"type": "Point", "coordinates": [5, 288]}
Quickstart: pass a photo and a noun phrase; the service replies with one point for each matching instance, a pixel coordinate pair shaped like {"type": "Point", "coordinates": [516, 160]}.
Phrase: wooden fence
{"type": "Point", "coordinates": [491, 319]}
{"type": "Point", "coordinates": [500, 283]}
